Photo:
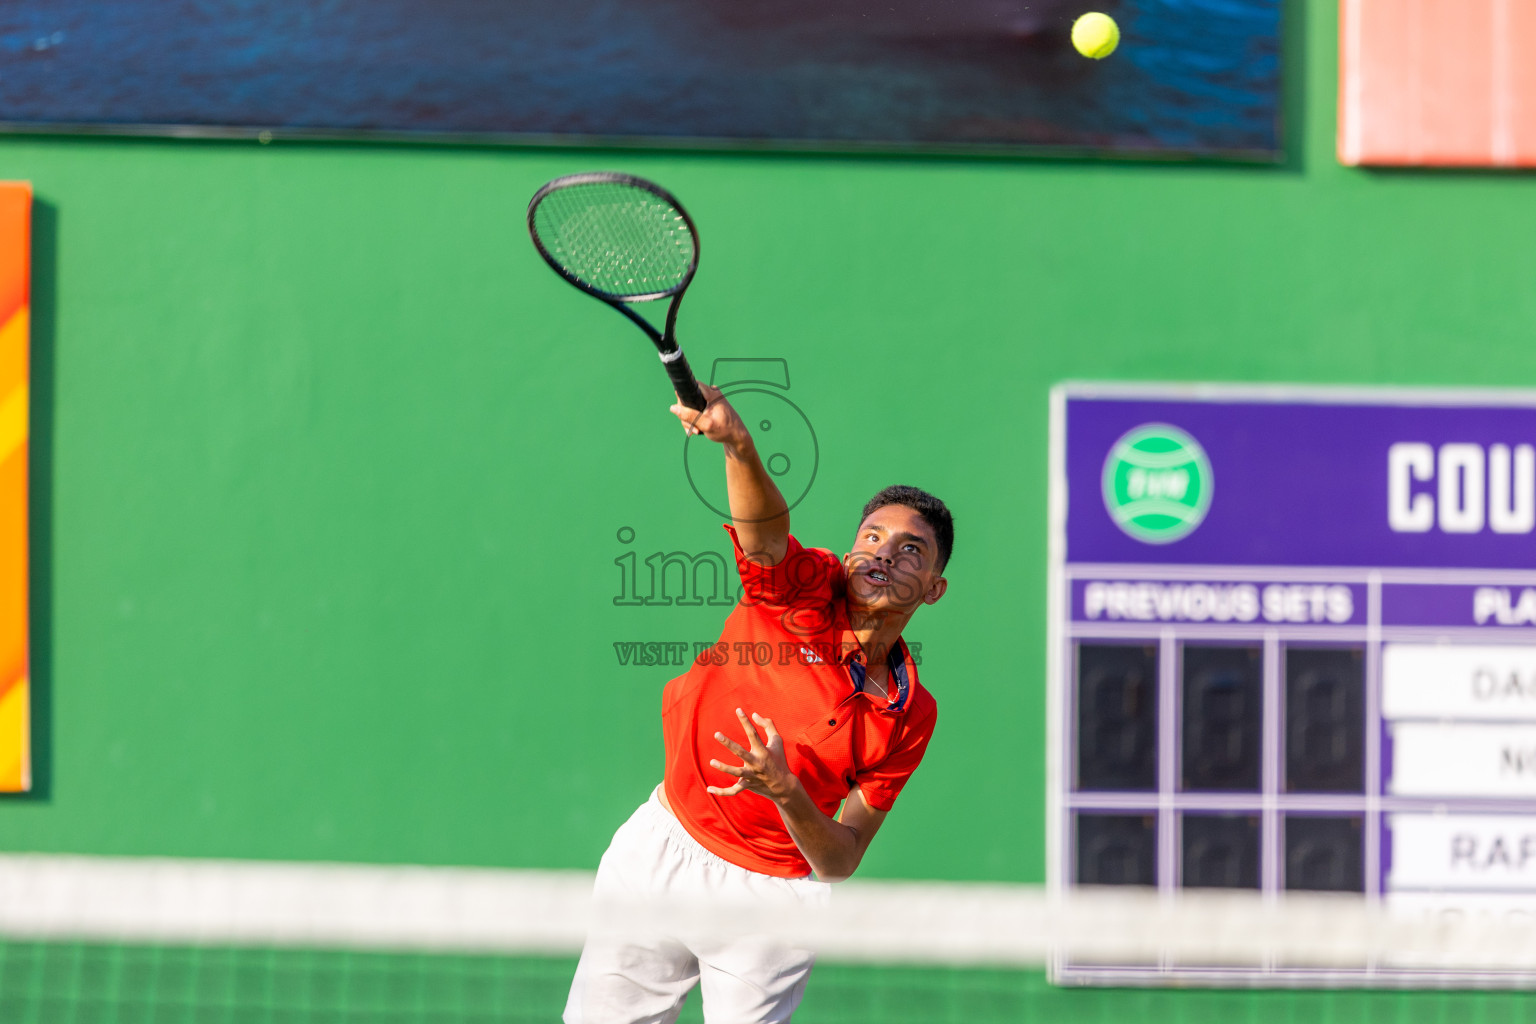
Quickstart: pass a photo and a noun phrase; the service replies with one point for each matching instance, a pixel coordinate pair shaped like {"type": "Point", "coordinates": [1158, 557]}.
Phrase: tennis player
{"type": "Point", "coordinates": [786, 746]}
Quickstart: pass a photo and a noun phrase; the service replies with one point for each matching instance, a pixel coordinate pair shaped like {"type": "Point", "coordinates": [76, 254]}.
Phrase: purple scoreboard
{"type": "Point", "coordinates": [1293, 648]}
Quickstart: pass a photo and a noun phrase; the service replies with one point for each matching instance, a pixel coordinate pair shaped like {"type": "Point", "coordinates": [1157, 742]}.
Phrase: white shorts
{"type": "Point", "coordinates": [743, 981]}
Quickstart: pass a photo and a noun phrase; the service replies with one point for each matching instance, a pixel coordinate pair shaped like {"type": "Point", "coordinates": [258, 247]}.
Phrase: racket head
{"type": "Point", "coordinates": [615, 236]}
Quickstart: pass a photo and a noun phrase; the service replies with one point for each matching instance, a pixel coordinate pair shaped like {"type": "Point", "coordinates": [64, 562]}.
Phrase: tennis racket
{"type": "Point", "coordinates": [623, 240]}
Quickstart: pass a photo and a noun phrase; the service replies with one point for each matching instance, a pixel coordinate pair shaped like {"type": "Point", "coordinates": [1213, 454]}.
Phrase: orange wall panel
{"type": "Point", "coordinates": [1437, 83]}
{"type": "Point", "coordinates": [1521, 111]}
{"type": "Point", "coordinates": [15, 256]}
{"type": "Point", "coordinates": [1454, 60]}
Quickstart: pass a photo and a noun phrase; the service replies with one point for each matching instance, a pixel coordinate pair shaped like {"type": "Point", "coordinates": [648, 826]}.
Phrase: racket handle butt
{"type": "Point", "coordinates": [682, 380]}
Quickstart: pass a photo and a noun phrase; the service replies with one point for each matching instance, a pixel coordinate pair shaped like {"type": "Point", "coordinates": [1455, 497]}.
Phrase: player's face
{"type": "Point", "coordinates": [894, 562]}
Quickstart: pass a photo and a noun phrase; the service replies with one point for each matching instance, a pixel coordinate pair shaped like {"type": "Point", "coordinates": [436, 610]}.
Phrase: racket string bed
{"type": "Point", "coordinates": [617, 239]}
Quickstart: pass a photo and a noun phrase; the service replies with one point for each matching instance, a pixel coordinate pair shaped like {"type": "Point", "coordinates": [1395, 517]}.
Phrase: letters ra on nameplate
{"type": "Point", "coordinates": [1293, 650]}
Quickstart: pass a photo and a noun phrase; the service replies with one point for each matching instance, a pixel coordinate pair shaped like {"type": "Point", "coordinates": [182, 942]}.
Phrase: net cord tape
{"type": "Point", "coordinates": [434, 909]}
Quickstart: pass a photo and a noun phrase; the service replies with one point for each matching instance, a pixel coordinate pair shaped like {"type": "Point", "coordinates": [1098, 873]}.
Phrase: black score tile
{"type": "Point", "coordinates": [1324, 854]}
{"type": "Point", "coordinates": [1219, 851]}
{"type": "Point", "coordinates": [1222, 700]}
{"type": "Point", "coordinates": [1325, 720]}
{"type": "Point", "coordinates": [1115, 849]}
{"type": "Point", "coordinates": [1116, 739]}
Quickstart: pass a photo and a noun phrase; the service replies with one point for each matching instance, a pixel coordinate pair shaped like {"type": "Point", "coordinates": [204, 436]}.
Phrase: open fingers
{"type": "Point", "coordinates": [767, 723]}
{"type": "Point", "coordinates": [746, 723]}
{"type": "Point", "coordinates": [733, 746]}
{"type": "Point", "coordinates": [740, 772]}
{"type": "Point", "coordinates": [732, 791]}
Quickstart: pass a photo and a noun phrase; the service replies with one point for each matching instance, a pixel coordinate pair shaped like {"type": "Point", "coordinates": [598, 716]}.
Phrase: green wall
{"type": "Point", "coordinates": [330, 468]}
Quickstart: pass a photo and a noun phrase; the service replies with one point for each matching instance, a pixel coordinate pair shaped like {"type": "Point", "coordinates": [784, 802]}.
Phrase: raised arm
{"type": "Point", "coordinates": [758, 510]}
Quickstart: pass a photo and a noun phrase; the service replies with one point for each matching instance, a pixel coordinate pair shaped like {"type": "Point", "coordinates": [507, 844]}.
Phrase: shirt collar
{"type": "Point", "coordinates": [851, 654]}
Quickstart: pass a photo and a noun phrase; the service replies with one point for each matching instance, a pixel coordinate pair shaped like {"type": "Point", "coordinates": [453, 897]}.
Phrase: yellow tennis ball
{"type": "Point", "coordinates": [1095, 35]}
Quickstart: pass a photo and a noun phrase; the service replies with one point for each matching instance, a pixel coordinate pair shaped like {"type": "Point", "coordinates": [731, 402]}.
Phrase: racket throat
{"type": "Point", "coordinates": [668, 344]}
{"type": "Point", "coordinates": [665, 339]}
{"type": "Point", "coordinates": [646, 326]}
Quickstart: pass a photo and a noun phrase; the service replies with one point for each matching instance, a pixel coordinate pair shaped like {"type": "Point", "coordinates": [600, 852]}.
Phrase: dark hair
{"type": "Point", "coordinates": [934, 512]}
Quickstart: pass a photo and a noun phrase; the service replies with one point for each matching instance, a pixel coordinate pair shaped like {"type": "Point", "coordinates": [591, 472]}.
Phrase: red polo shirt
{"type": "Point", "coordinates": [787, 653]}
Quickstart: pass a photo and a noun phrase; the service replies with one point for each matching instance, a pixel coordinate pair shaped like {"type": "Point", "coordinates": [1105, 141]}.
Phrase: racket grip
{"type": "Point", "coordinates": [682, 380]}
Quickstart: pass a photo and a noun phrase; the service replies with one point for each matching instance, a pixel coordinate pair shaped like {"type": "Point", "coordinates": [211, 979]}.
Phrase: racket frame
{"type": "Point", "coordinates": [665, 340]}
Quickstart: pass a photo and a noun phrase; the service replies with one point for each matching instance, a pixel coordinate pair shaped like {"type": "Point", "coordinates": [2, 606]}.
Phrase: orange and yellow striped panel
{"type": "Point", "coordinates": [15, 284]}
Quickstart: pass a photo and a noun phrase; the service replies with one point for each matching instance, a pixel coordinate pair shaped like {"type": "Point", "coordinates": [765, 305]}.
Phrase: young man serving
{"type": "Point", "coordinates": [786, 746]}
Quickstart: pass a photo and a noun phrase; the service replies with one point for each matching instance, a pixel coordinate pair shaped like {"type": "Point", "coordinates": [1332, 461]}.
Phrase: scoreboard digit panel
{"type": "Point", "coordinates": [1293, 649]}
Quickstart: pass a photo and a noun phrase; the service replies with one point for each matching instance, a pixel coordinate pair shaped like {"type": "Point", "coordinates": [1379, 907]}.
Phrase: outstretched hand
{"type": "Point", "coordinates": [763, 770]}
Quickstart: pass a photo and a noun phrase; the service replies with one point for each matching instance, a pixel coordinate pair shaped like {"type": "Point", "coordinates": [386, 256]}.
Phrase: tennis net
{"type": "Point", "coordinates": [125, 940]}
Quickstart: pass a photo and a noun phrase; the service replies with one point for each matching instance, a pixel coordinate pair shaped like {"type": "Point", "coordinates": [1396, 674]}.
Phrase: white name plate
{"type": "Point", "coordinates": [1460, 853]}
{"type": "Point", "coordinates": [1434, 759]}
{"type": "Point", "coordinates": [1482, 681]}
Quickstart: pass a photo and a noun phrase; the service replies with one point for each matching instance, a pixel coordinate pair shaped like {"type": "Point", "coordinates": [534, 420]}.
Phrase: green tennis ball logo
{"type": "Point", "coordinates": [1157, 483]}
